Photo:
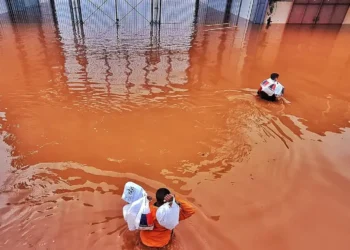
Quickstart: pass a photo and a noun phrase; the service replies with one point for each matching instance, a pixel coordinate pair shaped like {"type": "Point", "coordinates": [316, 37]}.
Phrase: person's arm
{"type": "Point", "coordinates": [259, 90]}
{"type": "Point", "coordinates": [186, 209]}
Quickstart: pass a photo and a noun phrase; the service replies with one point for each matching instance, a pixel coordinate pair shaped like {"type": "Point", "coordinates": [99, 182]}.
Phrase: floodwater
{"type": "Point", "coordinates": [81, 113]}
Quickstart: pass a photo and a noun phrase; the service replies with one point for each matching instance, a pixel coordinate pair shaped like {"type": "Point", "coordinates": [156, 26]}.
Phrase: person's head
{"type": "Point", "coordinates": [160, 195]}
{"type": "Point", "coordinates": [274, 76]}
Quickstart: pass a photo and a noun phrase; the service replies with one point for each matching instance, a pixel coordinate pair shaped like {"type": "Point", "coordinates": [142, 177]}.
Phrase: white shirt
{"type": "Point", "coordinates": [272, 87]}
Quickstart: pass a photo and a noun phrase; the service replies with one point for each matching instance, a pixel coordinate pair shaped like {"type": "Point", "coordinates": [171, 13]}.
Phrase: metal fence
{"type": "Point", "coordinates": [129, 13]}
{"type": "Point", "coordinates": [138, 21]}
{"type": "Point", "coordinates": [121, 43]}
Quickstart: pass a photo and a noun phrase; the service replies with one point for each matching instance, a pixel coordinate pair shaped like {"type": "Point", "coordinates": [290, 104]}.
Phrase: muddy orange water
{"type": "Point", "coordinates": [84, 111]}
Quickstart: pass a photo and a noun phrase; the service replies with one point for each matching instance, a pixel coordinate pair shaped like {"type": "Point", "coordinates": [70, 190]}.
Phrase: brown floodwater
{"type": "Point", "coordinates": [81, 113]}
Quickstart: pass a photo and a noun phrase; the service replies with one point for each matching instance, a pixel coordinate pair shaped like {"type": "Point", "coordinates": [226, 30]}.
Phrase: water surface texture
{"type": "Point", "coordinates": [86, 108]}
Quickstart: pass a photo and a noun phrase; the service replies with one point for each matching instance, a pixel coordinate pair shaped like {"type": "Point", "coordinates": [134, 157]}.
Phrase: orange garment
{"type": "Point", "coordinates": [160, 236]}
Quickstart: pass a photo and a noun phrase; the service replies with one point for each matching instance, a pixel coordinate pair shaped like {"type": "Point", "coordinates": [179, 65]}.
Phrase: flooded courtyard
{"type": "Point", "coordinates": [84, 108]}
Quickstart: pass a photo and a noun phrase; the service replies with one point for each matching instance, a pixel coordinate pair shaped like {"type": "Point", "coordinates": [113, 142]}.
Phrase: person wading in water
{"type": "Point", "coordinates": [268, 87]}
{"type": "Point", "coordinates": [160, 236]}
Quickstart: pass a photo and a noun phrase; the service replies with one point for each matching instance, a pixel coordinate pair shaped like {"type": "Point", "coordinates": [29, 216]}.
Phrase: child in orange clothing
{"type": "Point", "coordinates": [160, 236]}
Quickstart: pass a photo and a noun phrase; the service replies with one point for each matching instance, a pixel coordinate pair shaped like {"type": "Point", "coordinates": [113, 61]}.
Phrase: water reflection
{"type": "Point", "coordinates": [87, 107]}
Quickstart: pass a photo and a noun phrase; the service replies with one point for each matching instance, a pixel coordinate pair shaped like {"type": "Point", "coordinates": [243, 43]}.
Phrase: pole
{"type": "Point", "coordinates": [157, 11]}
{"type": "Point", "coordinates": [73, 19]}
{"type": "Point", "coordinates": [151, 11]}
{"type": "Point", "coordinates": [160, 11]}
{"type": "Point", "coordinates": [80, 13]}
{"type": "Point", "coordinates": [239, 12]}
{"type": "Point", "coordinates": [81, 22]}
{"type": "Point", "coordinates": [116, 11]}
{"type": "Point", "coordinates": [317, 17]}
{"type": "Point", "coordinates": [54, 13]}
{"type": "Point", "coordinates": [10, 11]}
{"type": "Point", "coordinates": [196, 9]}
{"type": "Point", "coordinates": [228, 11]}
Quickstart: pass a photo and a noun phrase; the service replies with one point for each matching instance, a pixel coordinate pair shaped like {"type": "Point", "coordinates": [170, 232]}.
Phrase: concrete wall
{"type": "Point", "coordinates": [347, 18]}
{"type": "Point", "coordinates": [281, 12]}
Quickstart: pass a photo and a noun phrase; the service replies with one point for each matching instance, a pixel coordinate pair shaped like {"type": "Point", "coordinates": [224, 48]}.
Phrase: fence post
{"type": "Point", "coordinates": [116, 11]}
{"type": "Point", "coordinates": [151, 11]}
{"type": "Point", "coordinates": [196, 9]}
{"type": "Point", "coordinates": [228, 11]}
{"type": "Point", "coordinates": [54, 13]}
{"type": "Point", "coordinates": [160, 11]}
{"type": "Point", "coordinates": [79, 12]}
{"type": "Point", "coordinates": [239, 12]}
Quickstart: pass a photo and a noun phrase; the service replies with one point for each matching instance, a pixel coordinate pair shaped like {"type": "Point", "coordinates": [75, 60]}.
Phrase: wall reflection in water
{"type": "Point", "coordinates": [83, 60]}
{"type": "Point", "coordinates": [109, 47]}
